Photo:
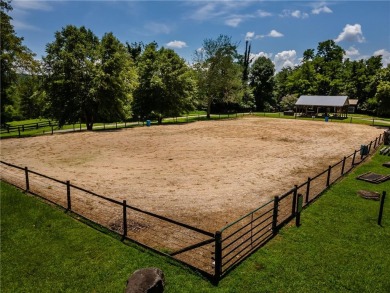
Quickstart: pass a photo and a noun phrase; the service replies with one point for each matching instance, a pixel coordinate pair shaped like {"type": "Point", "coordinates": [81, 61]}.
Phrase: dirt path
{"type": "Point", "coordinates": [206, 173]}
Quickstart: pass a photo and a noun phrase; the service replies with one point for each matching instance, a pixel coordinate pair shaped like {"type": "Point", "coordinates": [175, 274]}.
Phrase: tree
{"type": "Point", "coordinates": [15, 58]}
{"type": "Point", "coordinates": [167, 87]}
{"type": "Point", "coordinates": [29, 96]}
{"type": "Point", "coordinates": [288, 102]}
{"type": "Point", "coordinates": [116, 81]}
{"type": "Point", "coordinates": [219, 76]}
{"type": "Point", "coordinates": [87, 80]}
{"type": "Point", "coordinates": [261, 79]}
{"type": "Point", "coordinates": [383, 98]}
{"type": "Point", "coordinates": [328, 65]}
{"type": "Point", "coordinates": [135, 50]}
{"type": "Point", "coordinates": [281, 87]}
{"type": "Point", "coordinates": [382, 95]}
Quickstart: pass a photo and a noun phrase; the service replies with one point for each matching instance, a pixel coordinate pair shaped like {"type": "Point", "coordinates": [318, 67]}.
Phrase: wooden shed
{"type": "Point", "coordinates": [334, 106]}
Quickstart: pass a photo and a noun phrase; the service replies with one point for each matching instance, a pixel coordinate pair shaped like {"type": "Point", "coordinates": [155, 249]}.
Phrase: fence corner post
{"type": "Point", "coordinates": [68, 195]}
{"type": "Point", "coordinates": [124, 220]}
{"type": "Point", "coordinates": [27, 179]}
{"type": "Point", "coordinates": [218, 256]}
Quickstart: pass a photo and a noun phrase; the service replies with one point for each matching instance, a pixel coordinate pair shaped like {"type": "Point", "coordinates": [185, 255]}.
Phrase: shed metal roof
{"type": "Point", "coordinates": [323, 101]}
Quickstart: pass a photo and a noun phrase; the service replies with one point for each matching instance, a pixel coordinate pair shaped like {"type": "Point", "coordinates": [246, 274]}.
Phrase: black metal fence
{"type": "Point", "coordinates": [213, 254]}
{"type": "Point", "coordinates": [239, 239]}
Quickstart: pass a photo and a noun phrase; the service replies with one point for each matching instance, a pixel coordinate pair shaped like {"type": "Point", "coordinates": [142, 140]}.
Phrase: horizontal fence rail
{"type": "Point", "coordinates": [28, 126]}
{"type": "Point", "coordinates": [213, 254]}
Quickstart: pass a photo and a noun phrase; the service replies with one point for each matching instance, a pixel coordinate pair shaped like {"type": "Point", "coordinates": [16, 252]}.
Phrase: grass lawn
{"type": "Point", "coordinates": [338, 248]}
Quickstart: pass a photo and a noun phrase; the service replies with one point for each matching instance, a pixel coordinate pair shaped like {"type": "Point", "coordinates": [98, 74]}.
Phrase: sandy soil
{"type": "Point", "coordinates": [206, 173]}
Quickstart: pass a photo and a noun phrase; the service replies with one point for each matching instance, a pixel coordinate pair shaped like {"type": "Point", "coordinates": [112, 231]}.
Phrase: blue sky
{"type": "Point", "coordinates": [279, 30]}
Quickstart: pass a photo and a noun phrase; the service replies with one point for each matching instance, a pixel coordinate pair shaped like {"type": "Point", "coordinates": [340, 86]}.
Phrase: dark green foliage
{"type": "Point", "coordinates": [261, 80]}
{"type": "Point", "coordinates": [324, 72]}
{"type": "Point", "coordinates": [70, 69]}
{"type": "Point", "coordinates": [87, 79]}
{"type": "Point", "coordinates": [166, 85]}
{"type": "Point", "coordinates": [15, 58]}
{"type": "Point", "coordinates": [219, 76]}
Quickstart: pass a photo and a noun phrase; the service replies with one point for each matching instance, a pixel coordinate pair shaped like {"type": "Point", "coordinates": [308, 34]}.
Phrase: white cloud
{"type": "Point", "coordinates": [177, 44]}
{"type": "Point", "coordinates": [21, 10]}
{"type": "Point", "coordinates": [215, 9]}
{"type": "Point", "coordinates": [31, 5]}
{"type": "Point", "coordinates": [271, 34]}
{"type": "Point", "coordinates": [249, 36]}
{"type": "Point", "coordinates": [285, 59]}
{"type": "Point", "coordinates": [21, 25]}
{"type": "Point", "coordinates": [254, 57]}
{"type": "Point", "coordinates": [234, 22]}
{"type": "Point", "coordinates": [295, 14]}
{"type": "Point", "coordinates": [385, 56]}
{"type": "Point", "coordinates": [157, 28]}
{"type": "Point", "coordinates": [321, 8]}
{"type": "Point", "coordinates": [352, 51]}
{"type": "Point", "coordinates": [263, 13]}
{"type": "Point", "coordinates": [231, 13]}
{"type": "Point", "coordinates": [351, 33]}
{"type": "Point", "coordinates": [275, 34]}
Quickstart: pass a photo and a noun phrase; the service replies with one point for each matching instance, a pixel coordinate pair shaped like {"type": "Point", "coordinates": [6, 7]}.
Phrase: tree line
{"type": "Point", "coordinates": [84, 78]}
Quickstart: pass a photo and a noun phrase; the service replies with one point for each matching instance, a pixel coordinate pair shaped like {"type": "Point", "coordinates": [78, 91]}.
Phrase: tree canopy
{"type": "Point", "coordinates": [166, 87]}
{"type": "Point", "coordinates": [84, 78]}
{"type": "Point", "coordinates": [15, 59]}
{"type": "Point", "coordinates": [87, 79]}
{"type": "Point", "coordinates": [219, 75]}
{"type": "Point", "coordinates": [261, 80]}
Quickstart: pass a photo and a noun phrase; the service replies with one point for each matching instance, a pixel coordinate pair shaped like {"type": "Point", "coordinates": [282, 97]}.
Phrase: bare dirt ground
{"type": "Point", "coordinates": [205, 174]}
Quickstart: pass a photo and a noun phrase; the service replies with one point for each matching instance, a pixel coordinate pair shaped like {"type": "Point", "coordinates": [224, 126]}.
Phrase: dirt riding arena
{"type": "Point", "coordinates": [206, 174]}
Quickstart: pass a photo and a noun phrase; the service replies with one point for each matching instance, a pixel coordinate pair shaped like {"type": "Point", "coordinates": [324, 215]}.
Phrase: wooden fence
{"type": "Point", "coordinates": [213, 254]}
{"type": "Point", "coordinates": [29, 126]}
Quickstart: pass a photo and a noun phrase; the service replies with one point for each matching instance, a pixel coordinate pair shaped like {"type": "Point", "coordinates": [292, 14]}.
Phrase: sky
{"type": "Point", "coordinates": [279, 30]}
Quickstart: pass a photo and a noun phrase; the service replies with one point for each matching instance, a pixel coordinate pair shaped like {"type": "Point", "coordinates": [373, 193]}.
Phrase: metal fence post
{"type": "Point", "coordinates": [299, 210]}
{"type": "Point", "coordinates": [294, 201]}
{"type": "Point", "coordinates": [328, 178]}
{"type": "Point", "coordinates": [308, 189]}
{"type": "Point", "coordinates": [353, 159]}
{"type": "Point", "coordinates": [27, 179]}
{"type": "Point", "coordinates": [68, 195]}
{"type": "Point", "coordinates": [275, 215]}
{"type": "Point", "coordinates": [369, 148]}
{"type": "Point", "coordinates": [124, 220]}
{"type": "Point", "coordinates": [343, 166]}
{"type": "Point", "coordinates": [218, 256]}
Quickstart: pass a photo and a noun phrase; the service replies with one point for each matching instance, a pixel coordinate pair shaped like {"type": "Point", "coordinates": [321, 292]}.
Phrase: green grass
{"type": "Point", "coordinates": [338, 248]}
